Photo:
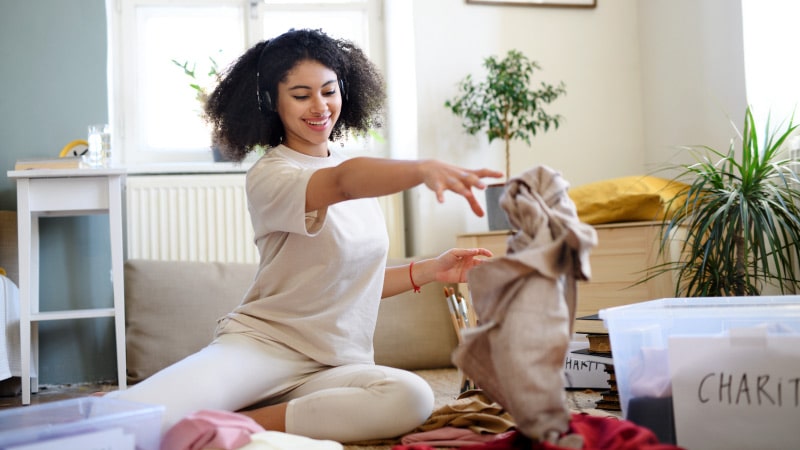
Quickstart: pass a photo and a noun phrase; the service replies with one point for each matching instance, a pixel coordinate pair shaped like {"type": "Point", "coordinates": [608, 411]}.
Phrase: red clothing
{"type": "Point", "coordinates": [599, 433]}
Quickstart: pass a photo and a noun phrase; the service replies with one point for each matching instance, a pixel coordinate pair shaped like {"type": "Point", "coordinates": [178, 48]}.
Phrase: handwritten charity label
{"type": "Point", "coordinates": [577, 364]}
{"type": "Point", "coordinates": [748, 389]}
{"type": "Point", "coordinates": [736, 393]}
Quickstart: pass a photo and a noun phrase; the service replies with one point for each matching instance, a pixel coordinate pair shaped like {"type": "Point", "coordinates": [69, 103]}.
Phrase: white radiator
{"type": "Point", "coordinates": [189, 218]}
{"type": "Point", "coordinates": [204, 218]}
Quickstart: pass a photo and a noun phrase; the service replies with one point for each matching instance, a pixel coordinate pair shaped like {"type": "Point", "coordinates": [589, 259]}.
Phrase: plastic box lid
{"type": "Point", "coordinates": [639, 332]}
{"type": "Point", "coordinates": [59, 419]}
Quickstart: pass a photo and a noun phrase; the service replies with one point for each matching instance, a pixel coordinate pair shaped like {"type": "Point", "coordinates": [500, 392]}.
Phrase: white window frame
{"type": "Point", "coordinates": [122, 73]}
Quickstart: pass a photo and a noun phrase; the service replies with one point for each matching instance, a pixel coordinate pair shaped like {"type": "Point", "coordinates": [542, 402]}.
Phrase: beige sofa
{"type": "Point", "coordinates": [171, 309]}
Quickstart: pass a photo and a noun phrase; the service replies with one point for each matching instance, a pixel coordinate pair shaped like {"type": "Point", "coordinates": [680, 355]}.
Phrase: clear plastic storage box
{"type": "Point", "coordinates": [640, 334]}
{"type": "Point", "coordinates": [82, 417]}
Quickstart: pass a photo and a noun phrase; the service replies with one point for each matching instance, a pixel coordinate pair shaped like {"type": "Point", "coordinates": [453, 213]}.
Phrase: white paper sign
{"type": "Point", "coordinates": [585, 370]}
{"type": "Point", "coordinates": [739, 392]}
{"type": "Point", "coordinates": [583, 374]}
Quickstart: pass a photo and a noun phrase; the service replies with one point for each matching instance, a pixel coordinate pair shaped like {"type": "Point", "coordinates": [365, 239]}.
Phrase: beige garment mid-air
{"type": "Point", "coordinates": [526, 304]}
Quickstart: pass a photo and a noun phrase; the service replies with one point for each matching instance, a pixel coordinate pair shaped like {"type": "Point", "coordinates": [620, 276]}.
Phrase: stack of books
{"type": "Point", "coordinates": [67, 162]}
{"type": "Point", "coordinates": [599, 350]}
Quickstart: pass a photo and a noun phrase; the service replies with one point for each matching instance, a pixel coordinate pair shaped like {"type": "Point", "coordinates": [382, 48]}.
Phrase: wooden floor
{"type": "Point", "coordinates": [11, 397]}
{"type": "Point", "coordinates": [584, 400]}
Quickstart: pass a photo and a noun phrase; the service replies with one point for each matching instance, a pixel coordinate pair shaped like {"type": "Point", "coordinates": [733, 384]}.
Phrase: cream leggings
{"type": "Point", "coordinates": [345, 403]}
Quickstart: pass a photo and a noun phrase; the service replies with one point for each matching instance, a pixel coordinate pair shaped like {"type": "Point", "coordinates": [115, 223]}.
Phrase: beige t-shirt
{"type": "Point", "coordinates": [319, 281]}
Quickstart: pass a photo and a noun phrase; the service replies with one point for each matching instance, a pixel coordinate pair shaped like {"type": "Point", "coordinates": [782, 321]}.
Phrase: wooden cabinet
{"type": "Point", "coordinates": [624, 251]}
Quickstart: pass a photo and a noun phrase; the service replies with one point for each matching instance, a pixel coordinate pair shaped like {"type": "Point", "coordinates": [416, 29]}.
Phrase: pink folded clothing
{"type": "Point", "coordinates": [206, 429]}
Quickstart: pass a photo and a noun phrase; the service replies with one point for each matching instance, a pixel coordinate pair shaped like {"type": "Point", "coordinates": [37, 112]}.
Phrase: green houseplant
{"type": "Point", "coordinates": [505, 105]}
{"type": "Point", "coordinates": [736, 225]}
{"type": "Point", "coordinates": [202, 90]}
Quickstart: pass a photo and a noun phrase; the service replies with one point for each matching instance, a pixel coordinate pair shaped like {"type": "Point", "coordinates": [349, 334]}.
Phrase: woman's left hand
{"type": "Point", "coordinates": [452, 266]}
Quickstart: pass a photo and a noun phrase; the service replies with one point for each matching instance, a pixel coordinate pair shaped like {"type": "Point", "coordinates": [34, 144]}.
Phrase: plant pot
{"type": "Point", "coordinates": [217, 155]}
{"type": "Point", "coordinates": [498, 220]}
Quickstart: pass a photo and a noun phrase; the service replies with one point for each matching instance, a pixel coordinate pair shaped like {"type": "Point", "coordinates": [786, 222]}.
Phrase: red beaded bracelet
{"type": "Point", "coordinates": [411, 277]}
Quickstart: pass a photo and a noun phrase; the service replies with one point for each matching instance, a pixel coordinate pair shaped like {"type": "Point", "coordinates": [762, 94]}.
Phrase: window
{"type": "Point", "coordinates": [155, 44]}
{"type": "Point", "coordinates": [770, 66]}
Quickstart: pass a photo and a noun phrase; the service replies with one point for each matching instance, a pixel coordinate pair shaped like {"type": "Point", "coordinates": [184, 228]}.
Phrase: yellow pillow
{"type": "Point", "coordinates": [625, 199]}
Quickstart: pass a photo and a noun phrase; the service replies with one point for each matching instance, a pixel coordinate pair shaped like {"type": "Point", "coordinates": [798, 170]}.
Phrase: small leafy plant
{"type": "Point", "coordinates": [504, 105]}
{"type": "Point", "coordinates": [191, 72]}
{"type": "Point", "coordinates": [202, 90]}
{"type": "Point", "coordinates": [737, 223]}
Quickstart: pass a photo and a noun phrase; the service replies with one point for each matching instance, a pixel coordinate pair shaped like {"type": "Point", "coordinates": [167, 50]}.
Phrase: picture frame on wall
{"type": "Point", "coordinates": [549, 3]}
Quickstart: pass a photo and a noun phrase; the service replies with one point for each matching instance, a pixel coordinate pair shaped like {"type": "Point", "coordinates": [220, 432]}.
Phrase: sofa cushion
{"type": "Point", "coordinates": [414, 331]}
{"type": "Point", "coordinates": [172, 307]}
{"type": "Point", "coordinates": [625, 199]}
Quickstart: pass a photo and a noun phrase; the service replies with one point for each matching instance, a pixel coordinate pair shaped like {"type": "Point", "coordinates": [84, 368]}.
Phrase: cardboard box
{"type": "Point", "coordinates": [89, 422]}
{"type": "Point", "coordinates": [728, 368]}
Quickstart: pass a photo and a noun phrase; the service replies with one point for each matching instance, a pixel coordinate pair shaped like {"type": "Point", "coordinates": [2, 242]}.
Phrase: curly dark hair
{"type": "Point", "coordinates": [232, 109]}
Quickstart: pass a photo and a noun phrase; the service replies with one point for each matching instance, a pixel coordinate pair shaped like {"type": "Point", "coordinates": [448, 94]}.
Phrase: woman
{"type": "Point", "coordinates": [301, 340]}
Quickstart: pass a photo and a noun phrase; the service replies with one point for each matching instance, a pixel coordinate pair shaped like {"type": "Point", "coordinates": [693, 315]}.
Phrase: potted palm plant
{"type": "Point", "coordinates": [737, 224]}
{"type": "Point", "coordinates": [505, 106]}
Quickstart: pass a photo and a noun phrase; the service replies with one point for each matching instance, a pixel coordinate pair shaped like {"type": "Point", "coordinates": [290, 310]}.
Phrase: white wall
{"type": "Point", "coordinates": [693, 76]}
{"type": "Point", "coordinates": [595, 53]}
{"type": "Point", "coordinates": [637, 82]}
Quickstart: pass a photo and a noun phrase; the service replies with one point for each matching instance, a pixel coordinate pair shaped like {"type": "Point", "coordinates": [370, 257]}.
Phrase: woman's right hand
{"type": "Point", "coordinates": [440, 177]}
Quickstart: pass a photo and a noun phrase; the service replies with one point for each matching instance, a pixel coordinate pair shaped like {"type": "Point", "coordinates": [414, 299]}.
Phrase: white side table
{"type": "Point", "coordinates": [65, 192]}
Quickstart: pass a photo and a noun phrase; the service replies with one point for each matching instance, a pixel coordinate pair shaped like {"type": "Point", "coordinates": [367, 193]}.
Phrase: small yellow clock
{"type": "Point", "coordinates": [75, 148]}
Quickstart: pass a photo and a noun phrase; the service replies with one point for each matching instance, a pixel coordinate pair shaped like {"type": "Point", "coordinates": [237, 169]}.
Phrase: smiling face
{"type": "Point", "coordinates": [309, 103]}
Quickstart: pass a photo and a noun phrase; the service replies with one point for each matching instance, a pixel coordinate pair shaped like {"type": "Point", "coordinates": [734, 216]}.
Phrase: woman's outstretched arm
{"type": "Point", "coordinates": [376, 177]}
{"type": "Point", "coordinates": [449, 267]}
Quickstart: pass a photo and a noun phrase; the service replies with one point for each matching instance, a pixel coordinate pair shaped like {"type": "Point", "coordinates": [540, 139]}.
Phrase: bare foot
{"type": "Point", "coordinates": [271, 417]}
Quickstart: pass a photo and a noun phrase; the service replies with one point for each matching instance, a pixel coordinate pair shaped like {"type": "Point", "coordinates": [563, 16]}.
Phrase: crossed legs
{"type": "Point", "coordinates": [344, 403]}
